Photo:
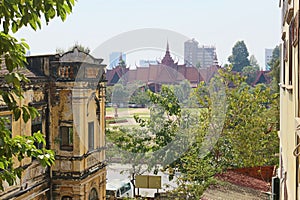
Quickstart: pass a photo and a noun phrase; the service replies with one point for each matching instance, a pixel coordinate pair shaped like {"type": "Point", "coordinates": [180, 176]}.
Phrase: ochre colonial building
{"type": "Point", "coordinates": [69, 92]}
{"type": "Point", "coordinates": [289, 169]}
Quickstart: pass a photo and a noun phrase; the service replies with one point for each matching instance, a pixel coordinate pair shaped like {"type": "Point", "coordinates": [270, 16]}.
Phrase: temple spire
{"type": "Point", "coordinates": [168, 60]}
{"type": "Point", "coordinates": [167, 45]}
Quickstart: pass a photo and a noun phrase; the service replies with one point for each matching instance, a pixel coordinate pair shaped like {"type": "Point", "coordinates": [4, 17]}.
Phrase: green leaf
{"type": "Point", "coordinates": [25, 45]}
{"type": "Point", "coordinates": [33, 24]}
{"type": "Point", "coordinates": [25, 114]}
{"type": "Point", "coordinates": [14, 15]}
{"type": "Point", "coordinates": [17, 113]}
{"type": "Point", "coordinates": [2, 165]}
{"type": "Point", "coordinates": [14, 27]}
{"type": "Point", "coordinates": [33, 112]}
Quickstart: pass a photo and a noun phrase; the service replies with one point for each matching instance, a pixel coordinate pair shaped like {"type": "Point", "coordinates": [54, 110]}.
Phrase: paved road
{"type": "Point", "coordinates": [113, 172]}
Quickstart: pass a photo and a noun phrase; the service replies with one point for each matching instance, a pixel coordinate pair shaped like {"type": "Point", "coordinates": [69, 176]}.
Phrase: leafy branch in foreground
{"type": "Point", "coordinates": [14, 15]}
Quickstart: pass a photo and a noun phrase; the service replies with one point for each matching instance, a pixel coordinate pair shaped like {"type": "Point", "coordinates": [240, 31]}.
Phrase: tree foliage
{"type": "Point", "coordinates": [14, 15]}
{"type": "Point", "coordinates": [77, 45]}
{"type": "Point", "coordinates": [275, 56]}
{"type": "Point", "coordinates": [119, 94]}
{"type": "Point", "coordinates": [18, 13]}
{"type": "Point", "coordinates": [275, 68]}
{"type": "Point", "coordinates": [250, 72]}
{"type": "Point", "coordinates": [144, 144]}
{"type": "Point", "coordinates": [239, 58]}
{"type": "Point", "coordinates": [248, 136]}
{"type": "Point", "coordinates": [250, 127]}
{"type": "Point", "coordinates": [253, 62]}
{"type": "Point", "coordinates": [140, 97]}
{"type": "Point", "coordinates": [182, 91]}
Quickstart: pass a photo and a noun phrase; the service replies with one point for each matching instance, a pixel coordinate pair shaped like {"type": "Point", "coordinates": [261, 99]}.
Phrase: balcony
{"type": "Point", "coordinates": [65, 73]}
{"type": "Point", "coordinates": [76, 71]}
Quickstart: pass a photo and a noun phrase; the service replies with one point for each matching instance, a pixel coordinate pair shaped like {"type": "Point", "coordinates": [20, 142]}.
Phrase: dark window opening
{"type": "Point", "coordinates": [290, 66]}
{"type": "Point", "coordinates": [91, 135]}
{"type": "Point", "coordinates": [93, 194]}
{"type": "Point", "coordinates": [290, 60]}
{"type": "Point", "coordinates": [284, 61]}
{"type": "Point", "coordinates": [66, 198]}
{"type": "Point", "coordinates": [36, 126]}
{"type": "Point", "coordinates": [66, 138]}
{"type": "Point", "coordinates": [34, 129]}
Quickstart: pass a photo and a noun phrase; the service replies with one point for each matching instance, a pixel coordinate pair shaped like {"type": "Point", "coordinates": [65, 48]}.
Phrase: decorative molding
{"type": "Point", "coordinates": [78, 175]}
{"type": "Point", "coordinates": [80, 158]}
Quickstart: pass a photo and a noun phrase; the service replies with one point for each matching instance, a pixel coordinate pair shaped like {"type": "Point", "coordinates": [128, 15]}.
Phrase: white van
{"type": "Point", "coordinates": [119, 188]}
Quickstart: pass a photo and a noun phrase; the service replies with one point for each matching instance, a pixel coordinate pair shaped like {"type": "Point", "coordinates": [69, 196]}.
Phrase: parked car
{"type": "Point", "coordinates": [116, 188]}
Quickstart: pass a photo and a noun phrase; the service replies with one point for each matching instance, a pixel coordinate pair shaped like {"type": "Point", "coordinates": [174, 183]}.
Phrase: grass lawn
{"type": "Point", "coordinates": [128, 114]}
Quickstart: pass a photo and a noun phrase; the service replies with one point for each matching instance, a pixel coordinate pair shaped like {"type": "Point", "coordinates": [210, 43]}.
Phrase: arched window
{"type": "Point", "coordinates": [93, 194]}
{"type": "Point", "coordinates": [66, 198]}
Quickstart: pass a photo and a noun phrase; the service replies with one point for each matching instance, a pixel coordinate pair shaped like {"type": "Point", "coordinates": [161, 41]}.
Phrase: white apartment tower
{"type": "Point", "coordinates": [195, 54]}
{"type": "Point", "coordinates": [268, 58]}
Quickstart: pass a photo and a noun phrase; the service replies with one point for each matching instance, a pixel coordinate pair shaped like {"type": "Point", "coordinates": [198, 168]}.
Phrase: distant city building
{"type": "Point", "coordinates": [114, 58]}
{"type": "Point", "coordinates": [195, 55]}
{"type": "Point", "coordinates": [146, 63]}
{"type": "Point", "coordinates": [268, 57]}
{"type": "Point", "coordinates": [165, 71]}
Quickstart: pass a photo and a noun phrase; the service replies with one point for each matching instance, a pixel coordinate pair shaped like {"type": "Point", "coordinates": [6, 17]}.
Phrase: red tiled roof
{"type": "Point", "coordinates": [166, 72]}
{"type": "Point", "coordinates": [208, 73]}
{"type": "Point", "coordinates": [244, 180]}
{"type": "Point", "coordinates": [262, 77]}
{"type": "Point", "coordinates": [142, 74]}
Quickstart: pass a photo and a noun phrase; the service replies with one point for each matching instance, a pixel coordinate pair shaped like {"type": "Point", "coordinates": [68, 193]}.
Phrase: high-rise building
{"type": "Point", "coordinates": [114, 59]}
{"type": "Point", "coordinates": [268, 57]}
{"type": "Point", "coordinates": [199, 56]}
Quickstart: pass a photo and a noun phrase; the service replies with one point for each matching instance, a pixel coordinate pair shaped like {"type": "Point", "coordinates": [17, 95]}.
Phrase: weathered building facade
{"type": "Point", "coordinates": [289, 170]}
{"type": "Point", "coordinates": [69, 92]}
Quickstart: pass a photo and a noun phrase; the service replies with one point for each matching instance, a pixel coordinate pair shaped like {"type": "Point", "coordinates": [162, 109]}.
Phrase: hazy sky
{"type": "Point", "coordinates": [210, 22]}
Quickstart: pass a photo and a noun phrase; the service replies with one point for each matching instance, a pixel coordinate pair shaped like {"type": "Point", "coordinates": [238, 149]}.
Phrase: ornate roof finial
{"type": "Point", "coordinates": [167, 45]}
{"type": "Point", "coordinates": [167, 60]}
